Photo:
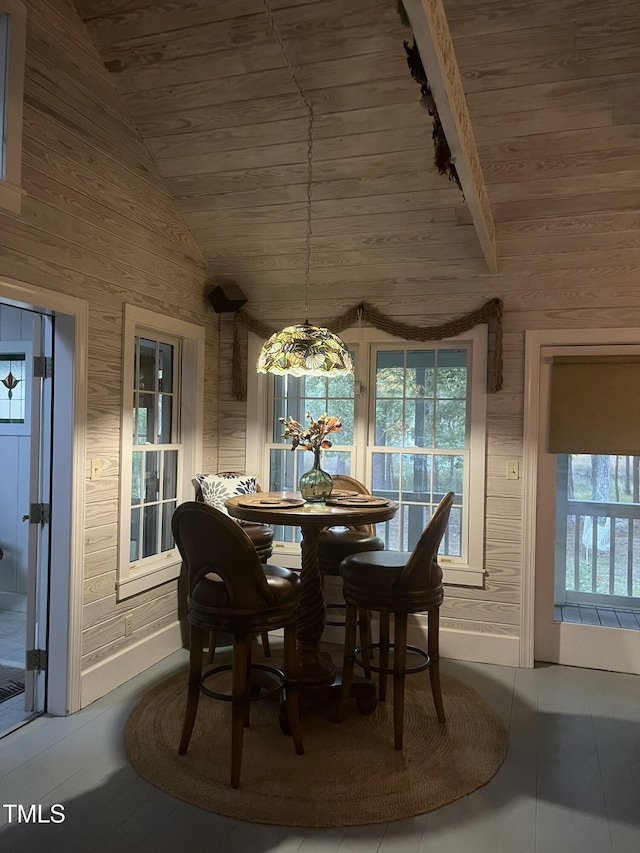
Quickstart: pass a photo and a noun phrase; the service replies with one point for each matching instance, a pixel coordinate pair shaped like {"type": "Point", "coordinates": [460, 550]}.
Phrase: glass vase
{"type": "Point", "coordinates": [316, 484]}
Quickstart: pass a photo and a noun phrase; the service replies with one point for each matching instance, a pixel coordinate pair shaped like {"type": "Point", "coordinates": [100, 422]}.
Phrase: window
{"type": "Point", "coordinates": [16, 369]}
{"type": "Point", "coordinates": [157, 450]}
{"type": "Point", "coordinates": [161, 443]}
{"type": "Point", "coordinates": [413, 428]}
{"type": "Point", "coordinates": [12, 50]}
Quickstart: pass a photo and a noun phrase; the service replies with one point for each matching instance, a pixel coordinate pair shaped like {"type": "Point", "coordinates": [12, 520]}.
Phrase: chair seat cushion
{"type": "Point", "coordinates": [336, 544]}
{"type": "Point", "coordinates": [374, 570]}
{"type": "Point", "coordinates": [370, 581]}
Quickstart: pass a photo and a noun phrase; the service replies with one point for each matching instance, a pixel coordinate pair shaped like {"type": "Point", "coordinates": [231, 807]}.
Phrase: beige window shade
{"type": "Point", "coordinates": [595, 405]}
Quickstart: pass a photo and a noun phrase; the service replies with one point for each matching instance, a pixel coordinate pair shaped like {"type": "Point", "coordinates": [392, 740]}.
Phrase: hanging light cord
{"type": "Point", "coordinates": [307, 104]}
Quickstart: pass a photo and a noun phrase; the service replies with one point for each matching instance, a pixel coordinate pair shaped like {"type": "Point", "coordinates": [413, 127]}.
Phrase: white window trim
{"type": "Point", "coordinates": [470, 573]}
{"type": "Point", "coordinates": [11, 191]}
{"type": "Point", "coordinates": [132, 581]}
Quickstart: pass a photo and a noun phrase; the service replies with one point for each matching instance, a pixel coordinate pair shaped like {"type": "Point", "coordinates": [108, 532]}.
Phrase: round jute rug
{"type": "Point", "coordinates": [350, 774]}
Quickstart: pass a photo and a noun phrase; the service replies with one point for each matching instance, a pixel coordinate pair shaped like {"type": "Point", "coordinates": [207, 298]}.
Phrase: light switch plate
{"type": "Point", "coordinates": [513, 469]}
{"type": "Point", "coordinates": [95, 469]}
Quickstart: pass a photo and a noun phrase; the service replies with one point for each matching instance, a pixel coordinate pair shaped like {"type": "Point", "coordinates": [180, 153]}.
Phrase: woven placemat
{"type": "Point", "coordinates": [356, 500]}
{"type": "Point", "coordinates": [350, 774]}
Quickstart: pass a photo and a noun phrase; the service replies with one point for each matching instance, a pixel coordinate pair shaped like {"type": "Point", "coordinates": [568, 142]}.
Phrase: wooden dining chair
{"type": "Point", "coordinates": [261, 536]}
{"type": "Point", "coordinates": [230, 590]}
{"type": "Point", "coordinates": [396, 583]}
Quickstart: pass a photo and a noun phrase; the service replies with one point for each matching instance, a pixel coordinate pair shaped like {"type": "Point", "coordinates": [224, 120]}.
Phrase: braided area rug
{"type": "Point", "coordinates": [350, 774]}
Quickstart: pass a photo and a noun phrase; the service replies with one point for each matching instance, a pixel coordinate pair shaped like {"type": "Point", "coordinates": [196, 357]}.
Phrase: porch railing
{"type": "Point", "coordinates": [601, 546]}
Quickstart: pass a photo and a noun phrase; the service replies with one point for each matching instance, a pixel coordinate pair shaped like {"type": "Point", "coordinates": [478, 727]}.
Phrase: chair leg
{"type": "Point", "coordinates": [291, 687]}
{"type": "Point", "coordinates": [384, 654]}
{"type": "Point", "coordinates": [399, 667]}
{"type": "Point", "coordinates": [247, 707]}
{"type": "Point", "coordinates": [266, 648]}
{"type": "Point", "coordinates": [433, 648]}
{"type": "Point", "coordinates": [196, 641]}
{"type": "Point", "coordinates": [213, 637]}
{"type": "Point", "coordinates": [349, 659]}
{"type": "Point", "coordinates": [364, 621]}
{"type": "Point", "coordinates": [239, 701]}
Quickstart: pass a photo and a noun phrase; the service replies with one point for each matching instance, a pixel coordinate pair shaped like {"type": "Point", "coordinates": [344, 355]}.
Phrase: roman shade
{"type": "Point", "coordinates": [595, 405]}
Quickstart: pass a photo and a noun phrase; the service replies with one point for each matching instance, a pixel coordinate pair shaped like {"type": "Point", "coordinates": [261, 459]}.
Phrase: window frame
{"type": "Point", "coordinates": [11, 191]}
{"type": "Point", "coordinates": [464, 572]}
{"type": "Point", "coordinates": [136, 577]}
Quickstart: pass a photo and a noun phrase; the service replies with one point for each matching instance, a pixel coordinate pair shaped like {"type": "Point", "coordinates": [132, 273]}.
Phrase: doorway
{"type": "Point", "coordinates": [55, 508]}
{"type": "Point", "coordinates": [26, 370]}
{"type": "Point", "coordinates": [579, 574]}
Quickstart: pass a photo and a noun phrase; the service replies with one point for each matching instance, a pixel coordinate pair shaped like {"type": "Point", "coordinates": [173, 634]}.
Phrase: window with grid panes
{"type": "Point", "coordinates": [161, 442]}
{"type": "Point", "coordinates": [413, 429]}
{"type": "Point", "coordinates": [156, 446]}
{"type": "Point", "coordinates": [294, 397]}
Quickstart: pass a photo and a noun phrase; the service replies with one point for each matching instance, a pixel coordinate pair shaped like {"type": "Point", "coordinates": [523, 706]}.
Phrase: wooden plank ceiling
{"type": "Point", "coordinates": [552, 89]}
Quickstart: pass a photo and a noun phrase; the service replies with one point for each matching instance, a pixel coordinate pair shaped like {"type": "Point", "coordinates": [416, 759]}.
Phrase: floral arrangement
{"type": "Point", "coordinates": [313, 437]}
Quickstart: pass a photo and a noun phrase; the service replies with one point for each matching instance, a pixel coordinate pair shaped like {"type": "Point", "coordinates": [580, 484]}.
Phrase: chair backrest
{"type": "Point", "coordinates": [350, 484]}
{"type": "Point", "coordinates": [210, 542]}
{"type": "Point", "coordinates": [421, 570]}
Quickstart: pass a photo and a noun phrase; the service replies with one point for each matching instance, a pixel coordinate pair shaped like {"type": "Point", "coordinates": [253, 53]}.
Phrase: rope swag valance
{"type": "Point", "coordinates": [491, 311]}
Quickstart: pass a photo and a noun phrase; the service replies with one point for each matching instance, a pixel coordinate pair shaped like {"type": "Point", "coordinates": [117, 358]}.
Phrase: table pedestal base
{"type": "Point", "coordinates": [311, 694]}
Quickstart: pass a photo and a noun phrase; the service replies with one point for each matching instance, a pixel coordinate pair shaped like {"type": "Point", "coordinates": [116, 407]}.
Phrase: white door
{"type": "Point", "coordinates": [570, 643]}
{"type": "Point", "coordinates": [38, 515]}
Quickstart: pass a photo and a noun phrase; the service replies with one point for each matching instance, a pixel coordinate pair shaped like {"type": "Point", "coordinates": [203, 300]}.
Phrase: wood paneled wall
{"type": "Point", "coordinates": [552, 89]}
{"type": "Point", "coordinates": [98, 223]}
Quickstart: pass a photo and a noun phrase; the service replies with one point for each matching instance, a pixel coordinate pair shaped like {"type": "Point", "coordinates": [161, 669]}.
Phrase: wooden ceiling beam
{"type": "Point", "coordinates": [431, 32]}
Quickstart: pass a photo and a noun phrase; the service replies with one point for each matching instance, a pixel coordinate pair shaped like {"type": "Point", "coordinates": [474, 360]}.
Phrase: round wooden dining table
{"type": "Point", "coordinates": [316, 673]}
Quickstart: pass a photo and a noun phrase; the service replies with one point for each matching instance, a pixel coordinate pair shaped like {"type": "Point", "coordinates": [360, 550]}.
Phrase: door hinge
{"type": "Point", "coordinates": [42, 366]}
{"type": "Point", "coordinates": [39, 513]}
{"type": "Point", "coordinates": [36, 660]}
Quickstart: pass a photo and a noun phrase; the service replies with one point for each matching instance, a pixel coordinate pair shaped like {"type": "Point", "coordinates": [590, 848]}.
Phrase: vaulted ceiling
{"type": "Point", "coordinates": [552, 89]}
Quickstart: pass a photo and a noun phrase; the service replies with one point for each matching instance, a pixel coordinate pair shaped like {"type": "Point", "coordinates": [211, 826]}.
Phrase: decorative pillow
{"type": "Point", "coordinates": [216, 488]}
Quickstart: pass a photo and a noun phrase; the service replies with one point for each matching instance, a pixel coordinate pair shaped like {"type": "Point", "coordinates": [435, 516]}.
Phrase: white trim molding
{"type": "Point", "coordinates": [500, 649]}
{"type": "Point", "coordinates": [115, 670]}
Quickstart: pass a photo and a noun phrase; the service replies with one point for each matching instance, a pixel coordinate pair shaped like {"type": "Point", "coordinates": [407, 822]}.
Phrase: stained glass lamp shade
{"type": "Point", "coordinates": [305, 350]}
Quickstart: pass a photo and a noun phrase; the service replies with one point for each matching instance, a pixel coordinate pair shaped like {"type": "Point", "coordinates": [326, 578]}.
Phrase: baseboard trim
{"type": "Point", "coordinates": [457, 645]}
{"type": "Point", "coordinates": [13, 601]}
{"type": "Point", "coordinates": [105, 676]}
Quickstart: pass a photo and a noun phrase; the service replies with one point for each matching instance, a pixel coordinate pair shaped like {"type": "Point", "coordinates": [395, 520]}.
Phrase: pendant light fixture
{"type": "Point", "coordinates": [303, 350]}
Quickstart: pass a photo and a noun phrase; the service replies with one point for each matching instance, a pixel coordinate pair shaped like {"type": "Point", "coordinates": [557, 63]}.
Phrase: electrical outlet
{"type": "Point", "coordinates": [95, 469]}
{"type": "Point", "coordinates": [513, 469]}
{"type": "Point", "coordinates": [128, 625]}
